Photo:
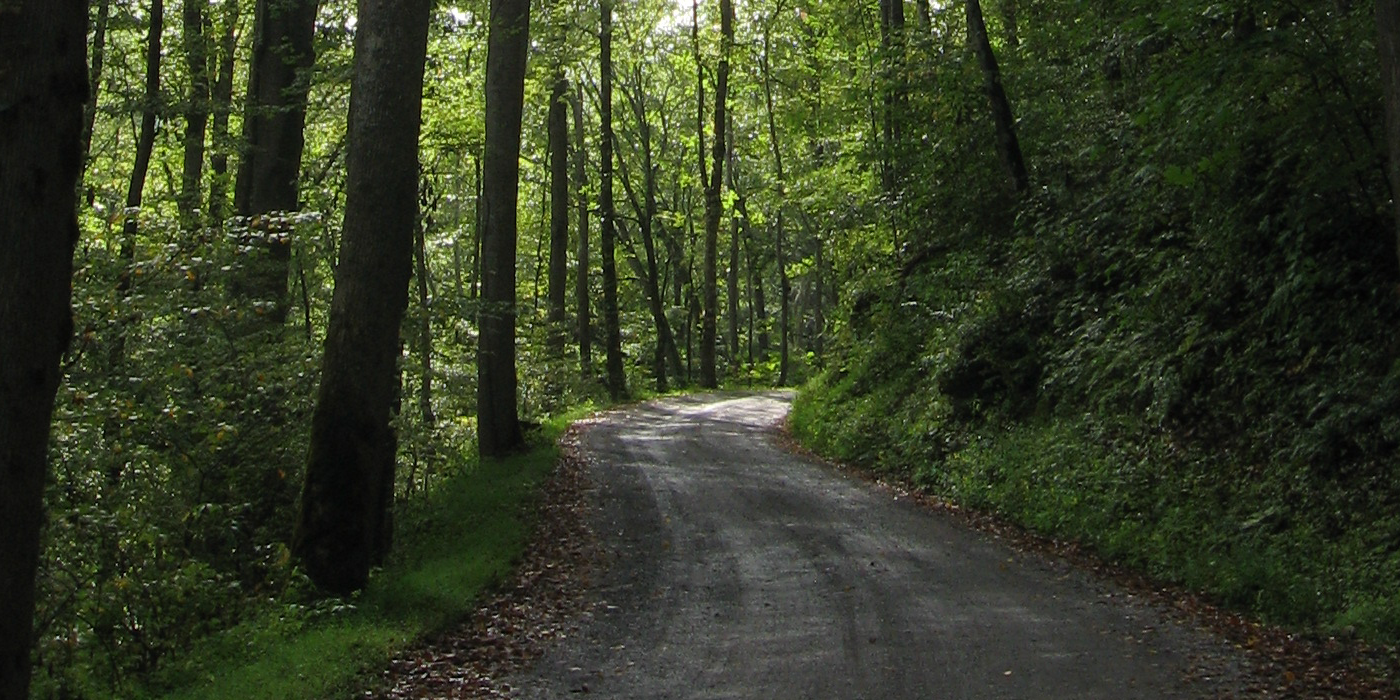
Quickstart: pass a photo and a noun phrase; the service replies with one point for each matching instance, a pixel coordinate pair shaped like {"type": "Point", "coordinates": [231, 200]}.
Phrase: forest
{"type": "Point", "coordinates": [1124, 273]}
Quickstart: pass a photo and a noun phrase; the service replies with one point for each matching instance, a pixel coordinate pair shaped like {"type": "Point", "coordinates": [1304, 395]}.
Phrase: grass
{"type": "Point", "coordinates": [1185, 516]}
{"type": "Point", "coordinates": [457, 543]}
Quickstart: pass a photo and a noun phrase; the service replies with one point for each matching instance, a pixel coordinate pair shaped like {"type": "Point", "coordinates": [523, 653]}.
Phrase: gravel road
{"type": "Point", "coordinates": [736, 569]}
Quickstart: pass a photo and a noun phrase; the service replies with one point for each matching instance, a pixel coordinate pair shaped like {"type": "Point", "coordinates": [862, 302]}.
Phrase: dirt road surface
{"type": "Point", "coordinates": [736, 569]}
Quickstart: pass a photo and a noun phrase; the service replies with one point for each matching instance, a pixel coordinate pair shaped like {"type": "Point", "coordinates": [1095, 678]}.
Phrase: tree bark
{"type": "Point", "coordinates": [99, 56]}
{"type": "Point", "coordinates": [498, 419]}
{"type": "Point", "coordinates": [145, 145]}
{"type": "Point", "coordinates": [425, 326]}
{"type": "Point", "coordinates": [666, 350]}
{"type": "Point", "coordinates": [196, 111]}
{"type": "Point", "coordinates": [612, 326]}
{"type": "Point", "coordinates": [732, 271]}
{"type": "Point", "coordinates": [925, 15]}
{"type": "Point", "coordinates": [585, 321]}
{"type": "Point", "coordinates": [1388, 41]}
{"type": "Point", "coordinates": [1008, 146]}
{"type": "Point", "coordinates": [895, 95]}
{"type": "Point", "coordinates": [221, 105]}
{"type": "Point", "coordinates": [1010, 24]}
{"type": "Point", "coordinates": [558, 209]}
{"type": "Point", "coordinates": [278, 81]}
{"type": "Point", "coordinates": [780, 242]}
{"type": "Point", "coordinates": [714, 205]}
{"type": "Point", "coordinates": [478, 228]}
{"type": "Point", "coordinates": [44, 80]}
{"type": "Point", "coordinates": [348, 490]}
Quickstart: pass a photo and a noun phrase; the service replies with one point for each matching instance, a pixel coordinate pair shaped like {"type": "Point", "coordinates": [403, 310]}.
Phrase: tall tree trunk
{"type": "Point", "coordinates": [221, 99]}
{"type": "Point", "coordinates": [478, 227]}
{"type": "Point", "coordinates": [348, 492]}
{"type": "Point", "coordinates": [1010, 24]}
{"type": "Point", "coordinates": [780, 244]}
{"type": "Point", "coordinates": [585, 321]}
{"type": "Point", "coordinates": [278, 80]}
{"type": "Point", "coordinates": [99, 56]}
{"type": "Point", "coordinates": [819, 308]}
{"type": "Point", "coordinates": [895, 94]}
{"type": "Point", "coordinates": [43, 83]}
{"type": "Point", "coordinates": [425, 326]}
{"type": "Point", "coordinates": [612, 326]}
{"type": "Point", "coordinates": [196, 111]}
{"type": "Point", "coordinates": [666, 351]}
{"type": "Point", "coordinates": [498, 418]}
{"type": "Point", "coordinates": [558, 208]}
{"type": "Point", "coordinates": [714, 205]}
{"type": "Point", "coordinates": [732, 272]}
{"type": "Point", "coordinates": [1388, 40]}
{"type": "Point", "coordinates": [1008, 146]}
{"type": "Point", "coordinates": [136, 186]}
{"type": "Point", "coordinates": [925, 15]}
{"type": "Point", "coordinates": [760, 309]}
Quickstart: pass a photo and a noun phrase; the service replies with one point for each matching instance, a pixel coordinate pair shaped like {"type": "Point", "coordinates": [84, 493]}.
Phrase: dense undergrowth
{"type": "Point", "coordinates": [452, 545]}
{"type": "Point", "coordinates": [1179, 348]}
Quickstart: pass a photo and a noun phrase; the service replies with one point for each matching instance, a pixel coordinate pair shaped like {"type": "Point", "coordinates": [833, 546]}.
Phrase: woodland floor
{"type": "Point", "coordinates": [687, 549]}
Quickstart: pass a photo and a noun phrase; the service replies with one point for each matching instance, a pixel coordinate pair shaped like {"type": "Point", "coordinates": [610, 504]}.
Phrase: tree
{"type": "Point", "coordinates": [1388, 41]}
{"type": "Point", "coordinates": [1008, 146]}
{"type": "Point", "coordinates": [43, 84]}
{"type": "Point", "coordinates": [558, 207]}
{"type": "Point", "coordinates": [713, 204]}
{"type": "Point", "coordinates": [344, 517]}
{"type": "Point", "coordinates": [646, 208]}
{"type": "Point", "coordinates": [221, 104]}
{"type": "Point", "coordinates": [612, 325]}
{"type": "Point", "coordinates": [892, 43]}
{"type": "Point", "coordinates": [99, 56]}
{"type": "Point", "coordinates": [268, 175]}
{"type": "Point", "coordinates": [196, 109]}
{"type": "Point", "coordinates": [780, 235]}
{"type": "Point", "coordinates": [145, 145]}
{"type": "Point", "coordinates": [498, 420]}
{"type": "Point", "coordinates": [585, 329]}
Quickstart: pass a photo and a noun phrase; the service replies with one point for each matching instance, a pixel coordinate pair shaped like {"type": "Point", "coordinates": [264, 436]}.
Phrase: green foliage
{"type": "Point", "coordinates": [1178, 347]}
{"type": "Point", "coordinates": [452, 544]}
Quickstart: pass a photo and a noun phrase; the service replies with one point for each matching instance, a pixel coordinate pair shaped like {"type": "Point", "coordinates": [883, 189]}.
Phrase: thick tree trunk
{"type": "Point", "coordinates": [1388, 40]}
{"type": "Point", "coordinates": [43, 83]}
{"type": "Point", "coordinates": [278, 80]}
{"type": "Point", "coordinates": [196, 111]}
{"type": "Point", "coordinates": [558, 209]}
{"type": "Point", "coordinates": [1008, 146]}
{"type": "Point", "coordinates": [612, 326]}
{"type": "Point", "coordinates": [348, 491]}
{"type": "Point", "coordinates": [221, 99]}
{"type": "Point", "coordinates": [709, 329]}
{"type": "Point", "coordinates": [585, 320]}
{"type": "Point", "coordinates": [498, 418]}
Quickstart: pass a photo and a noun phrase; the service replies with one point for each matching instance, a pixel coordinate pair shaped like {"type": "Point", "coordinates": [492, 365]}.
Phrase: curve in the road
{"type": "Point", "coordinates": [740, 570]}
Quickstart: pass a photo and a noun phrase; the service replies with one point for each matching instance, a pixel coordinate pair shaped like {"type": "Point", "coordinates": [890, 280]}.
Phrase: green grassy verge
{"type": "Point", "coordinates": [449, 548]}
{"type": "Point", "coordinates": [1132, 493]}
